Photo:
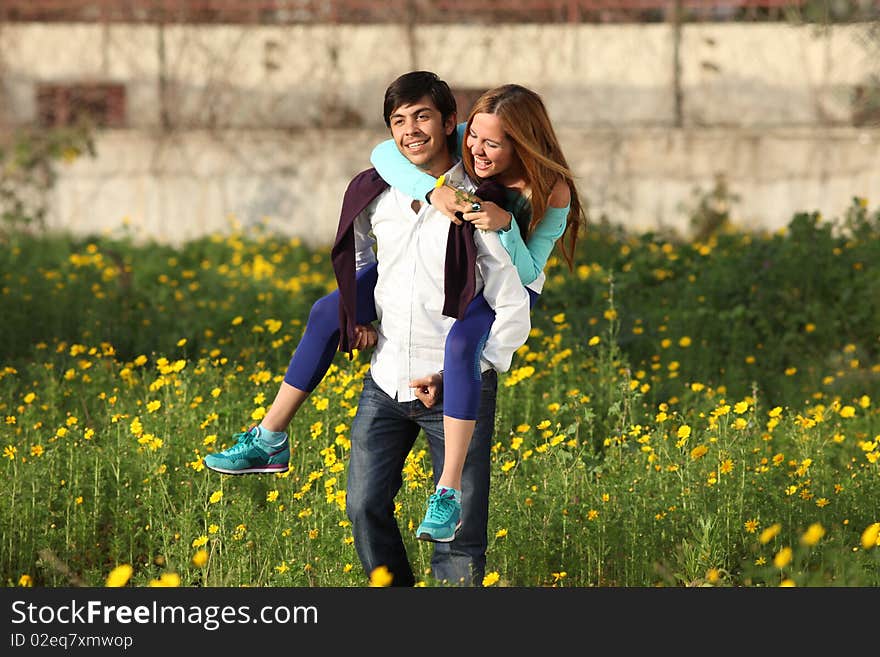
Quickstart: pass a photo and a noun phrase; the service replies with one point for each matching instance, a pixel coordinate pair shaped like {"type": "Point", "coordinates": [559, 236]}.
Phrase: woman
{"type": "Point", "coordinates": [509, 138]}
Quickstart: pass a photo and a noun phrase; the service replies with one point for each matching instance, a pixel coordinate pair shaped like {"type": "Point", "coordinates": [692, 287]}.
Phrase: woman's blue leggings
{"type": "Point", "coordinates": [461, 360]}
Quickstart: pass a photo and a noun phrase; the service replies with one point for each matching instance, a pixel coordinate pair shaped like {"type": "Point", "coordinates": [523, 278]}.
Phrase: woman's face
{"type": "Point", "coordinates": [491, 148]}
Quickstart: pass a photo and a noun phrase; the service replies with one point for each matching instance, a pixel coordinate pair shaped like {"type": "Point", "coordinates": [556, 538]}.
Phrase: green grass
{"type": "Point", "coordinates": [682, 414]}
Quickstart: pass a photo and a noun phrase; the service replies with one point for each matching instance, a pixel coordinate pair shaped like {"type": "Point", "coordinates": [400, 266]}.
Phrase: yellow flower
{"type": "Point", "coordinates": [813, 535]}
{"type": "Point", "coordinates": [594, 341]}
{"type": "Point", "coordinates": [200, 541]}
{"type": "Point", "coordinates": [770, 533]}
{"type": "Point", "coordinates": [501, 533]}
{"type": "Point", "coordinates": [847, 411]}
{"type": "Point", "coordinates": [558, 318]}
{"type": "Point", "coordinates": [787, 583]}
{"type": "Point", "coordinates": [751, 526]}
{"type": "Point", "coordinates": [491, 578]}
{"type": "Point", "coordinates": [119, 576]}
{"type": "Point", "coordinates": [684, 431]}
{"type": "Point", "coordinates": [216, 496]}
{"type": "Point", "coordinates": [381, 577]}
{"type": "Point", "coordinates": [684, 342]}
{"type": "Point", "coordinates": [26, 581]}
{"type": "Point", "coordinates": [870, 536]}
{"type": "Point", "coordinates": [272, 495]}
{"type": "Point", "coordinates": [698, 452]}
{"type": "Point", "coordinates": [170, 580]}
{"type": "Point", "coordinates": [153, 406]}
{"type": "Point", "coordinates": [782, 558]}
{"type": "Point", "coordinates": [200, 558]}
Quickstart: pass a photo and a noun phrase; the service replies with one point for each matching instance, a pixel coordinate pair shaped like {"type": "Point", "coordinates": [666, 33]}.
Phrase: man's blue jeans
{"type": "Point", "coordinates": [382, 434]}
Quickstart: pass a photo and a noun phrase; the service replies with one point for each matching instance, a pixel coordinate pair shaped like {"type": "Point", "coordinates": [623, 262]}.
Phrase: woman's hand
{"type": "Point", "coordinates": [489, 217]}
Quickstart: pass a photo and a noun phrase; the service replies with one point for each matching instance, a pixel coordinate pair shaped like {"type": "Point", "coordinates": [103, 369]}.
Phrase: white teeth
{"type": "Point", "coordinates": [416, 144]}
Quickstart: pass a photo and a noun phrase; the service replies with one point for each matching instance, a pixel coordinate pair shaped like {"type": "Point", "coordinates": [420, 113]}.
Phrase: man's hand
{"type": "Point", "coordinates": [428, 389]}
{"type": "Point", "coordinates": [446, 200]}
{"type": "Point", "coordinates": [365, 337]}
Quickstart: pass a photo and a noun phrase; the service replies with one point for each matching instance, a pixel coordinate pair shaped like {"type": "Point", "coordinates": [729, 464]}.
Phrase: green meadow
{"type": "Point", "coordinates": [699, 412]}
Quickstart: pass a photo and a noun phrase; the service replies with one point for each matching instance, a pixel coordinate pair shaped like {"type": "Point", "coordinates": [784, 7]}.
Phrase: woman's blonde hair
{"type": "Point", "coordinates": [526, 123]}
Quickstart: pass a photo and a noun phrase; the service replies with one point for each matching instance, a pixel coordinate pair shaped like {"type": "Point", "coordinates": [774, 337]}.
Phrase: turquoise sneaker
{"type": "Point", "coordinates": [249, 456]}
{"type": "Point", "coordinates": [442, 519]}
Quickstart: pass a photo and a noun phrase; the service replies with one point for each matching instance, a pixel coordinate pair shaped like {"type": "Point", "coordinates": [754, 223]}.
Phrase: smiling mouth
{"type": "Point", "coordinates": [481, 163]}
{"type": "Point", "coordinates": [416, 144]}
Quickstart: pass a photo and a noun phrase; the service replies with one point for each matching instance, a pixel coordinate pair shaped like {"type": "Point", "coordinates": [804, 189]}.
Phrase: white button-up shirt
{"type": "Point", "coordinates": [410, 248]}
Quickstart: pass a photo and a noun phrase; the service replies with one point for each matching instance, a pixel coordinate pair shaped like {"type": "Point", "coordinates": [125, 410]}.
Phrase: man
{"type": "Point", "coordinates": [404, 384]}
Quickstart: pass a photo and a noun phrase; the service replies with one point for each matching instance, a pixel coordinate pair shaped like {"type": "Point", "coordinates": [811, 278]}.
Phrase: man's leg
{"type": "Point", "coordinates": [381, 437]}
{"type": "Point", "coordinates": [463, 561]}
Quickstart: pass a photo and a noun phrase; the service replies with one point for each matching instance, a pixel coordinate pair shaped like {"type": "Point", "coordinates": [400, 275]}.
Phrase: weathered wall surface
{"type": "Point", "coordinates": [269, 122]}
{"type": "Point", "coordinates": [192, 183]}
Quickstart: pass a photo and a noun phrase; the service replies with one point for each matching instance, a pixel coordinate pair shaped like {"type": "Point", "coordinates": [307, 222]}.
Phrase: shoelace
{"type": "Point", "coordinates": [242, 442]}
{"type": "Point", "coordinates": [441, 506]}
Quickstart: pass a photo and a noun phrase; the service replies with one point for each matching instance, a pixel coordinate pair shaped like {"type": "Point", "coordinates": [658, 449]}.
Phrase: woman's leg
{"type": "Point", "coordinates": [316, 349]}
{"type": "Point", "coordinates": [266, 448]}
{"type": "Point", "coordinates": [461, 386]}
{"type": "Point", "coordinates": [462, 381]}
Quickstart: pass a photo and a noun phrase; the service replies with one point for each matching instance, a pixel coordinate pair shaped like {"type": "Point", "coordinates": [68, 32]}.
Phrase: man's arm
{"type": "Point", "coordinates": [505, 294]}
{"type": "Point", "coordinates": [364, 253]}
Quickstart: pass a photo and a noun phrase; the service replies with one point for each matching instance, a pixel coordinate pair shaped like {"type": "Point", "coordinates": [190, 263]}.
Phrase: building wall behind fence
{"type": "Point", "coordinates": [269, 122]}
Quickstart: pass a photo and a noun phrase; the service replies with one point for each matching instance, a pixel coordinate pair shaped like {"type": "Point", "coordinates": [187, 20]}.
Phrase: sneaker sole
{"type": "Point", "coordinates": [425, 536]}
{"type": "Point", "coordinates": [268, 469]}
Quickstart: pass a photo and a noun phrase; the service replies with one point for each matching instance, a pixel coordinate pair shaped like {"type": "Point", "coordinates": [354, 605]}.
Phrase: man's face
{"type": "Point", "coordinates": [420, 133]}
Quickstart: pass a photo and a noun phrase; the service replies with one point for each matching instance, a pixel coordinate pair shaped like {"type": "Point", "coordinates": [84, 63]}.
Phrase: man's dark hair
{"type": "Point", "coordinates": [415, 85]}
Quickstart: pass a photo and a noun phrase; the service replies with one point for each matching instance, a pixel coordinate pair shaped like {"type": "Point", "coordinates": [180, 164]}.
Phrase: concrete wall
{"type": "Point", "coordinates": [192, 183]}
{"type": "Point", "coordinates": [305, 76]}
{"type": "Point", "coordinates": [270, 122]}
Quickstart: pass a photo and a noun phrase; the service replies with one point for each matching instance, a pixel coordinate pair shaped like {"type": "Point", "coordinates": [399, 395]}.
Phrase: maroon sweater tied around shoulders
{"type": "Point", "coordinates": [461, 252]}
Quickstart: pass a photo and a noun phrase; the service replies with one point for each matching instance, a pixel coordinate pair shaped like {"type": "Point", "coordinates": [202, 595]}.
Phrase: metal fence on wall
{"type": "Point", "coordinates": [431, 11]}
